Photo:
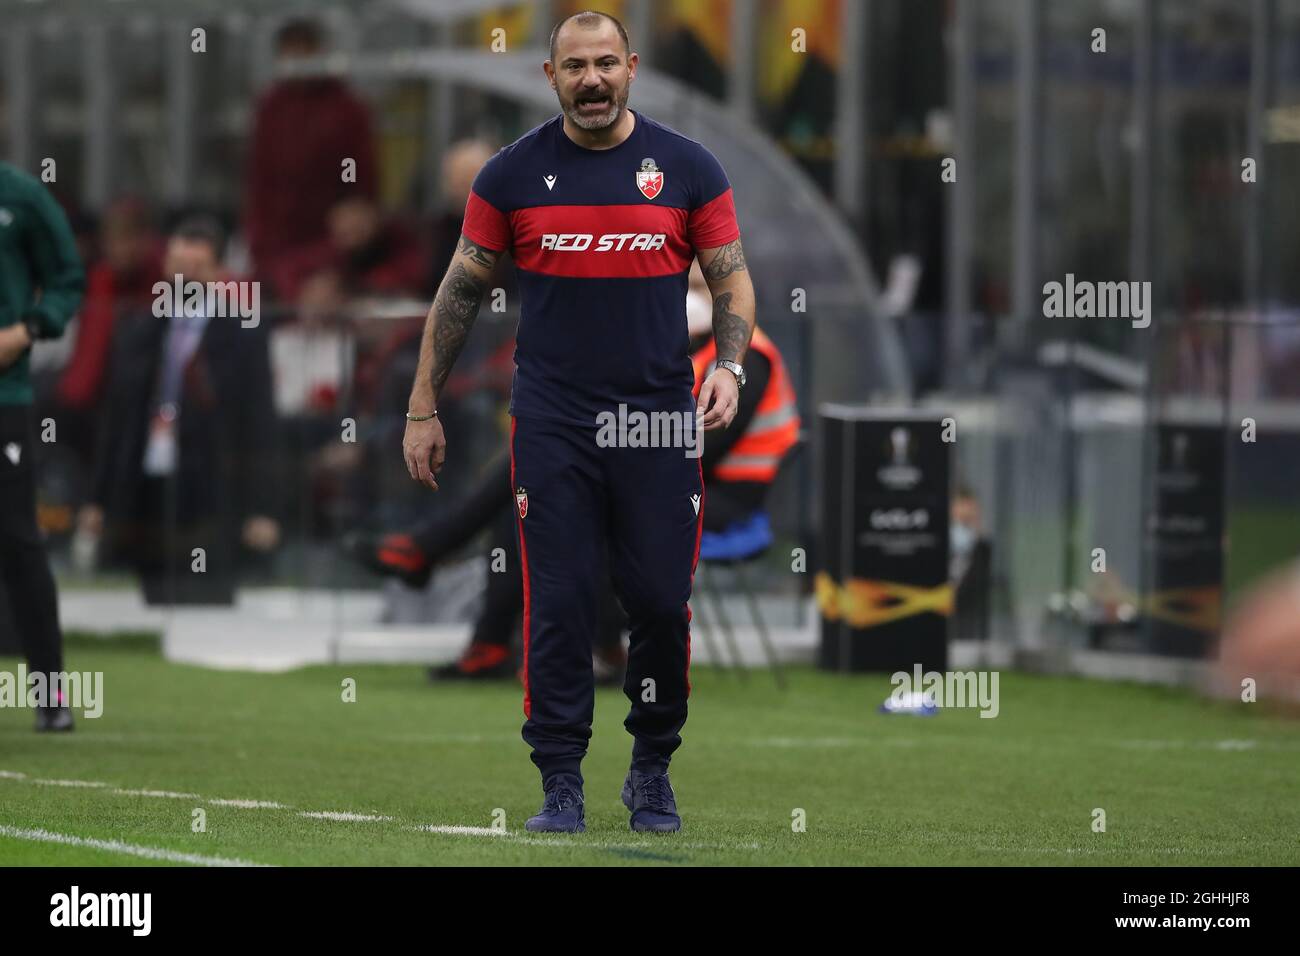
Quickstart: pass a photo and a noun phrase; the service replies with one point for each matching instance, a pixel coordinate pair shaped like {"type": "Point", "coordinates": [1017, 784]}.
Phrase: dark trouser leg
{"type": "Point", "coordinates": [561, 551]}
{"type": "Point", "coordinates": [443, 534]}
{"type": "Point", "coordinates": [504, 600]}
{"type": "Point", "coordinates": [656, 515]}
{"type": "Point", "coordinates": [24, 566]}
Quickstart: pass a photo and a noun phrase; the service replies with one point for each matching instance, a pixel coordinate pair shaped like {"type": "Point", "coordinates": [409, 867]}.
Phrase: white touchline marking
{"type": "Point", "coordinates": [239, 803]}
{"type": "Point", "coordinates": [163, 794]}
{"type": "Point", "coordinates": [346, 816]}
{"type": "Point", "coordinates": [343, 816]}
{"type": "Point", "coordinates": [1225, 745]}
{"type": "Point", "coordinates": [245, 804]}
{"type": "Point", "coordinates": [117, 846]}
{"type": "Point", "coordinates": [69, 783]}
{"type": "Point", "coordinates": [96, 737]}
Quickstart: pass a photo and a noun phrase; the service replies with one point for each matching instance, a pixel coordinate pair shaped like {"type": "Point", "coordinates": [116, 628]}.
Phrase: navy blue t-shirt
{"type": "Point", "coordinates": [603, 241]}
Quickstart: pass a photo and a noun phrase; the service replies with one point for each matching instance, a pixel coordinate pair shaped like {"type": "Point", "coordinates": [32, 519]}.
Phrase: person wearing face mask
{"type": "Point", "coordinates": [969, 567]}
{"type": "Point", "coordinates": [304, 129]}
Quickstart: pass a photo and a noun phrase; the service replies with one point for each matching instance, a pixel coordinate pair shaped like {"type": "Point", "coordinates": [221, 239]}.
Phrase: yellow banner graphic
{"type": "Point", "coordinates": [862, 603]}
{"type": "Point", "coordinates": [1197, 608]}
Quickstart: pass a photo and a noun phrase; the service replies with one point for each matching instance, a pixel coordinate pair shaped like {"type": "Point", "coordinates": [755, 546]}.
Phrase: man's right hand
{"type": "Point", "coordinates": [424, 448]}
{"type": "Point", "coordinates": [445, 329]}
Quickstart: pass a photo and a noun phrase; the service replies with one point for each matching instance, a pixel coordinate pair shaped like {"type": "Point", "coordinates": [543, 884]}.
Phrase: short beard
{"type": "Point", "coordinates": [603, 121]}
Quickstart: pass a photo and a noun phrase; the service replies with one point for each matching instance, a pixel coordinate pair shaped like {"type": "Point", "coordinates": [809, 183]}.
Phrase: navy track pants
{"type": "Point", "coordinates": [584, 512]}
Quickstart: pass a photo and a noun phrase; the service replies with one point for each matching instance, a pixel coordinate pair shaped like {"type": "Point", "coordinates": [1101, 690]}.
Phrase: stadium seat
{"type": "Point", "coordinates": [735, 546]}
{"type": "Point", "coordinates": [741, 541]}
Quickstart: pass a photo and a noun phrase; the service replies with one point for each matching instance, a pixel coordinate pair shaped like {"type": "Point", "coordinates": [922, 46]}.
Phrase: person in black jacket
{"type": "Point", "coordinates": [186, 444]}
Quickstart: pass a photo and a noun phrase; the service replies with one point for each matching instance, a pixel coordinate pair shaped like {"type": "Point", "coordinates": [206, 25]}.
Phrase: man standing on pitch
{"type": "Point", "coordinates": [603, 211]}
{"type": "Point", "coordinates": [41, 283]}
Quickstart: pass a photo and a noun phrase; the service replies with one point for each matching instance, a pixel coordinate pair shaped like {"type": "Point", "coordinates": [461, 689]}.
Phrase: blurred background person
{"type": "Point", "coordinates": [187, 438]}
{"type": "Point", "coordinates": [370, 254]}
{"type": "Point", "coordinates": [41, 284]}
{"type": "Point", "coordinates": [389, 348]}
{"type": "Point", "coordinates": [970, 567]}
{"type": "Point", "coordinates": [303, 131]}
{"type": "Point", "coordinates": [120, 281]}
{"type": "Point", "coordinates": [459, 167]}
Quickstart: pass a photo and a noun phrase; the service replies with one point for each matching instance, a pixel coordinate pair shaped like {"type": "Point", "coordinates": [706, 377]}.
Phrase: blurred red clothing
{"type": "Point", "coordinates": [303, 131]}
{"type": "Point", "coordinates": [108, 294]}
{"type": "Point", "coordinates": [394, 262]}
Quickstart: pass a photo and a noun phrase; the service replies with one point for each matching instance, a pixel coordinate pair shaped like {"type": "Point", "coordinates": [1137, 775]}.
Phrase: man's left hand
{"type": "Point", "coordinates": [719, 399]}
{"type": "Point", "coordinates": [14, 341]}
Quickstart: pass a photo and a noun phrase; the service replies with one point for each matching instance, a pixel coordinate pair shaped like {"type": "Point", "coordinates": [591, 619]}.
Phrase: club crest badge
{"type": "Point", "coordinates": [649, 179]}
{"type": "Point", "coordinates": [521, 499]}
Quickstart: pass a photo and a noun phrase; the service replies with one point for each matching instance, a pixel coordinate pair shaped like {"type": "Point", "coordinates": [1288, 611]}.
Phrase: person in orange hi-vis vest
{"type": "Point", "coordinates": [740, 462]}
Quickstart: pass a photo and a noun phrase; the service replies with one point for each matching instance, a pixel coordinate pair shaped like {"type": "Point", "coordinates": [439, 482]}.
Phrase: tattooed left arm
{"type": "Point", "coordinates": [733, 324]}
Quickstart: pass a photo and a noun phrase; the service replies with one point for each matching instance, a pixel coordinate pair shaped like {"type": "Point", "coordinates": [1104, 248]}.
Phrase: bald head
{"type": "Point", "coordinates": [590, 20]}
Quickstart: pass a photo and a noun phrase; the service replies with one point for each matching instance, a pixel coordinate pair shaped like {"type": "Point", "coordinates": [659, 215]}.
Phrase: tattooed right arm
{"type": "Point", "coordinates": [424, 446]}
{"type": "Point", "coordinates": [450, 318]}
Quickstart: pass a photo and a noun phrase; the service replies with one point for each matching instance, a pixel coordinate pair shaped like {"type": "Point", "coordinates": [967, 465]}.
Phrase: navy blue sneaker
{"type": "Point", "coordinates": [653, 804]}
{"type": "Point", "coordinates": [561, 809]}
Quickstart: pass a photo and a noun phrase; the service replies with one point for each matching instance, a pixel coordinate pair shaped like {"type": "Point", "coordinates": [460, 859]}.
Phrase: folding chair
{"type": "Point", "coordinates": [735, 546]}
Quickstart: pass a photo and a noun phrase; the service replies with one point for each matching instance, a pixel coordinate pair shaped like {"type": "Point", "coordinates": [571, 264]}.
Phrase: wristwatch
{"type": "Point", "coordinates": [735, 368]}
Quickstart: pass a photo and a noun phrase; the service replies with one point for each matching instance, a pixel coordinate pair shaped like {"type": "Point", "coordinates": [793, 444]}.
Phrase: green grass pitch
{"type": "Point", "coordinates": [1181, 780]}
